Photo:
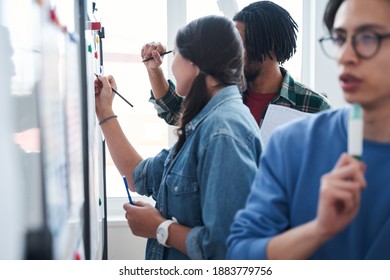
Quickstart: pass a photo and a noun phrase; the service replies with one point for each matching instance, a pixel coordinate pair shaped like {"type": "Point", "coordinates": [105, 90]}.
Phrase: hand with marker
{"type": "Point", "coordinates": [104, 96]}
{"type": "Point", "coordinates": [143, 219]}
{"type": "Point", "coordinates": [127, 190]}
{"type": "Point", "coordinates": [151, 54]}
{"type": "Point", "coordinates": [339, 198]}
{"type": "Point", "coordinates": [152, 57]}
{"type": "Point", "coordinates": [112, 88]}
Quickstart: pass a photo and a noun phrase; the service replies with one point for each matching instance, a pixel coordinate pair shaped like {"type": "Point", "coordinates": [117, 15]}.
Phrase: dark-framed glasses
{"type": "Point", "coordinates": [366, 44]}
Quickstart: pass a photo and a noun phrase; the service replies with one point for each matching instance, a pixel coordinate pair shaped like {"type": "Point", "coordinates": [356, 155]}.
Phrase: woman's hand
{"type": "Point", "coordinates": [143, 219]}
{"type": "Point", "coordinates": [104, 96]}
{"type": "Point", "coordinates": [153, 50]}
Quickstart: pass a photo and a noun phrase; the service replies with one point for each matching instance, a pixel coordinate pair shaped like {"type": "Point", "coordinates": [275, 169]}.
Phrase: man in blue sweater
{"type": "Point", "coordinates": [310, 199]}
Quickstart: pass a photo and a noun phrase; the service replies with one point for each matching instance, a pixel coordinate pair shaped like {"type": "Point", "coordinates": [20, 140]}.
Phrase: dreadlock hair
{"type": "Point", "coordinates": [330, 13]}
{"type": "Point", "coordinates": [214, 45]}
{"type": "Point", "coordinates": [268, 27]}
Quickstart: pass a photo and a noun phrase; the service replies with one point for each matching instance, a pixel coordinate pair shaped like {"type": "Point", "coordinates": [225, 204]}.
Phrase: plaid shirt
{"type": "Point", "coordinates": [168, 107]}
{"type": "Point", "coordinates": [292, 94]}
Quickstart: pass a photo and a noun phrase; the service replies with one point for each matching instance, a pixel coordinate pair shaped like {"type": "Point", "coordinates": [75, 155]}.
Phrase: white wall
{"type": "Point", "coordinates": [318, 71]}
{"type": "Point", "coordinates": [122, 244]}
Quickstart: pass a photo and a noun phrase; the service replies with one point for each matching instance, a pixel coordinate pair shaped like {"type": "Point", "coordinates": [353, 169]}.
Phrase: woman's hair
{"type": "Point", "coordinates": [268, 27]}
{"type": "Point", "coordinates": [330, 13]}
{"type": "Point", "coordinates": [214, 45]}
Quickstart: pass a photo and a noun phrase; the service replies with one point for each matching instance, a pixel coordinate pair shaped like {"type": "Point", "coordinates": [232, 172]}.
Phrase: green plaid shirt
{"type": "Point", "coordinates": [292, 94]}
{"type": "Point", "coordinates": [168, 107]}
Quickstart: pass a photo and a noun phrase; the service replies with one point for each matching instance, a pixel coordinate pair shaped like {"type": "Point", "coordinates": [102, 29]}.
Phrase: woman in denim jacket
{"type": "Point", "coordinates": [201, 182]}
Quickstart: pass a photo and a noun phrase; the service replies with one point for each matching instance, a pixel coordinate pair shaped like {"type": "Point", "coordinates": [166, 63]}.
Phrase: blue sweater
{"type": "Point", "coordinates": [286, 190]}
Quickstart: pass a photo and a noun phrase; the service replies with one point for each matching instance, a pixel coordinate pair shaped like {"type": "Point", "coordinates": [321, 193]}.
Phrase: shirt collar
{"type": "Point", "coordinates": [224, 95]}
{"type": "Point", "coordinates": [288, 87]}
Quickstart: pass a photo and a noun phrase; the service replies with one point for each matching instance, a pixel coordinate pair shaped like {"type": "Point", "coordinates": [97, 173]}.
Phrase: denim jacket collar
{"type": "Point", "coordinates": [225, 94]}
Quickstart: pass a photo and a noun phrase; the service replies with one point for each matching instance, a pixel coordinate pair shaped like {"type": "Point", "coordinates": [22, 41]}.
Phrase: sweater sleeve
{"type": "Point", "coordinates": [266, 212]}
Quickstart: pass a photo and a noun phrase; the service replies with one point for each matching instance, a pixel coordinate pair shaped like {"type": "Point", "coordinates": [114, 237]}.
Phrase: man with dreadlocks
{"type": "Point", "coordinates": [269, 35]}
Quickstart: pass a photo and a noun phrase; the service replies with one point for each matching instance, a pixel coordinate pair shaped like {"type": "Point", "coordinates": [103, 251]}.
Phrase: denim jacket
{"type": "Point", "coordinates": [209, 179]}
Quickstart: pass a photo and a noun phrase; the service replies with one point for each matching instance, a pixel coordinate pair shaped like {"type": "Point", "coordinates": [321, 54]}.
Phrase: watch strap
{"type": "Point", "coordinates": [165, 226]}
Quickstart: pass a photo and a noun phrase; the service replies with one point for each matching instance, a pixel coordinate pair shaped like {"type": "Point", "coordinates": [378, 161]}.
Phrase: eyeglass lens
{"type": "Point", "coordinates": [365, 44]}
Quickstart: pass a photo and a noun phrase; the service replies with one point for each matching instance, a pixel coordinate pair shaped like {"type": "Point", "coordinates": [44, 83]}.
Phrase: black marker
{"type": "Point", "coordinates": [114, 90]}
{"type": "Point", "coordinates": [150, 58]}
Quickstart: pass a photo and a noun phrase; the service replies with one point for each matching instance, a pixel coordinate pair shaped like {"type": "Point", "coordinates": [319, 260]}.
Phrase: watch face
{"type": "Point", "coordinates": [160, 234]}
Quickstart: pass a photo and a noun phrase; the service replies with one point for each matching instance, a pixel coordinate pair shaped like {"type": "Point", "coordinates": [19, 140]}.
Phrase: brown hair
{"type": "Point", "coordinates": [214, 45]}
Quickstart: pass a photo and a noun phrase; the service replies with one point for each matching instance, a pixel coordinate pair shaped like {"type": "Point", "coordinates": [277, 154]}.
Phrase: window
{"type": "Point", "coordinates": [126, 31]}
{"type": "Point", "coordinates": [199, 8]}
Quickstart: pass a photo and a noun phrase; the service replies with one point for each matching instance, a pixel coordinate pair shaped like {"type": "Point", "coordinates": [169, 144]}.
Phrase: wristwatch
{"type": "Point", "coordinates": [162, 232]}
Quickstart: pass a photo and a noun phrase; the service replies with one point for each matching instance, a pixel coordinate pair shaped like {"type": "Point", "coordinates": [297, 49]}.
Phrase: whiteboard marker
{"type": "Point", "coordinates": [355, 131]}
{"type": "Point", "coordinates": [151, 57]}
{"type": "Point", "coordinates": [114, 90]}
{"type": "Point", "coordinates": [127, 189]}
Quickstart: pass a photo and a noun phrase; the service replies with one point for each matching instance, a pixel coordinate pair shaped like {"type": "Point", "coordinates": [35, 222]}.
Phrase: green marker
{"type": "Point", "coordinates": [355, 131]}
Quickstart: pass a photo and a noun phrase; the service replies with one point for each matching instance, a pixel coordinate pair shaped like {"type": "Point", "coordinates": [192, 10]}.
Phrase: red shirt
{"type": "Point", "coordinates": [258, 102]}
